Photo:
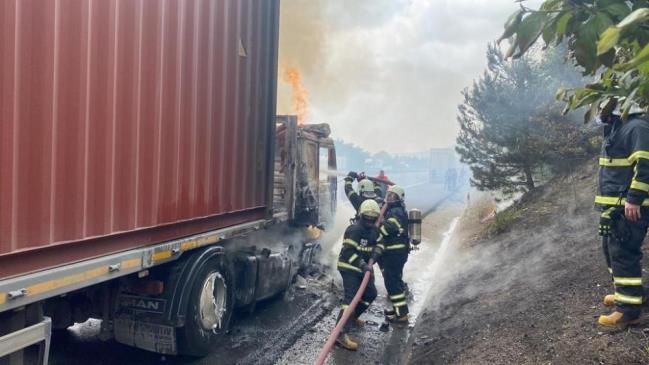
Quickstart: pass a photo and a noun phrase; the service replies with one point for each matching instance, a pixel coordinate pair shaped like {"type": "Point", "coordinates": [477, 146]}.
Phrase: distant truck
{"type": "Point", "coordinates": [144, 177]}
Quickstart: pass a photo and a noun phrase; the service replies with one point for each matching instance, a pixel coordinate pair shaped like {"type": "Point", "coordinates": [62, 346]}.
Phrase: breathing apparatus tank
{"type": "Point", "coordinates": [414, 226]}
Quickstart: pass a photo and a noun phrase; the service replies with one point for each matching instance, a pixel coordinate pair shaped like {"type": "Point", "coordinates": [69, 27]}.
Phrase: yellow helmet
{"type": "Point", "coordinates": [366, 189]}
{"type": "Point", "coordinates": [398, 194]}
{"type": "Point", "coordinates": [370, 208]}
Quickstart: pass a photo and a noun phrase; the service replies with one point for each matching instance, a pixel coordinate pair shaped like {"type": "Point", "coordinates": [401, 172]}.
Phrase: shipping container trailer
{"type": "Point", "coordinates": [138, 145]}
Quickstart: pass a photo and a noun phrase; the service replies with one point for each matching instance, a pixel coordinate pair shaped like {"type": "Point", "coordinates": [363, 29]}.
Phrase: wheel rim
{"type": "Point", "coordinates": [213, 302]}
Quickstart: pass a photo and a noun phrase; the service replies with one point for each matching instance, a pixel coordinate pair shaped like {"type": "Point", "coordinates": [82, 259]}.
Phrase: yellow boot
{"type": "Point", "coordinates": [347, 342]}
{"type": "Point", "coordinates": [618, 320]}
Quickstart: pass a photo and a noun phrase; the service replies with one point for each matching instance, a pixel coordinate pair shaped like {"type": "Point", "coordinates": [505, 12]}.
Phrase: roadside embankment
{"type": "Point", "coordinates": [526, 287]}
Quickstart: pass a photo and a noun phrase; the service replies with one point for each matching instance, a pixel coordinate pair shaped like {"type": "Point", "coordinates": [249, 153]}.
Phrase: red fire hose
{"type": "Point", "coordinates": [350, 309]}
{"type": "Point", "coordinates": [343, 320]}
{"type": "Point", "coordinates": [381, 181]}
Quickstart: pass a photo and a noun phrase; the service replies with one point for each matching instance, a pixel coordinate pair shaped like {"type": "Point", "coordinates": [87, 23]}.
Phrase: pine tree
{"type": "Point", "coordinates": [508, 123]}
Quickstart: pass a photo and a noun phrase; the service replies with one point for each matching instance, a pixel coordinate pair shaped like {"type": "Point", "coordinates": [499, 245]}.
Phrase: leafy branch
{"type": "Point", "coordinates": [607, 39]}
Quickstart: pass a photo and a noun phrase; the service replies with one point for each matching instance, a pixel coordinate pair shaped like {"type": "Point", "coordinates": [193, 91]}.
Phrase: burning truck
{"type": "Point", "coordinates": [144, 177]}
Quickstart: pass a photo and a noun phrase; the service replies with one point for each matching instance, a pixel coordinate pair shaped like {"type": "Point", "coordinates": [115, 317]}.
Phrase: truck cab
{"type": "Point", "coordinates": [305, 184]}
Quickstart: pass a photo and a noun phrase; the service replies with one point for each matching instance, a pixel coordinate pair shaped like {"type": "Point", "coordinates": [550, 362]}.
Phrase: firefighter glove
{"type": "Point", "coordinates": [367, 268]}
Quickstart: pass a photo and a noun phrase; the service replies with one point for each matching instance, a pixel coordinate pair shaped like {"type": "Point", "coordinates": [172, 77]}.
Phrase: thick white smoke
{"type": "Point", "coordinates": [388, 66]}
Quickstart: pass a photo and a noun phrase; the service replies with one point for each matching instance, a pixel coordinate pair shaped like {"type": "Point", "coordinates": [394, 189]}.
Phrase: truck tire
{"type": "Point", "coordinates": [209, 309]}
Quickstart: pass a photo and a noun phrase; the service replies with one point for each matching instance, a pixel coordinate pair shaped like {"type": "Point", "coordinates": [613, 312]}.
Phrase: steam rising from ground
{"type": "Point", "coordinates": [457, 266]}
{"type": "Point", "coordinates": [468, 269]}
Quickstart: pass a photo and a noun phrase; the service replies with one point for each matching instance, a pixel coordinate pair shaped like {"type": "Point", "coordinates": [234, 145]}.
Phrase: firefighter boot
{"type": "Point", "coordinates": [359, 323]}
{"type": "Point", "coordinates": [618, 320]}
{"type": "Point", "coordinates": [347, 342]}
{"type": "Point", "coordinates": [399, 320]}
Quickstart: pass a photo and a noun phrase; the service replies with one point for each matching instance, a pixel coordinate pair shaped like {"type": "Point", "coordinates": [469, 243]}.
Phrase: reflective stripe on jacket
{"type": "Point", "coordinates": [359, 243]}
{"type": "Point", "coordinates": [624, 163]}
{"type": "Point", "coordinates": [394, 228]}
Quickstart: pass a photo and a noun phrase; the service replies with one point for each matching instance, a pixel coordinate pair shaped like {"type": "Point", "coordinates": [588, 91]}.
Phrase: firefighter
{"type": "Point", "coordinates": [361, 242]}
{"type": "Point", "coordinates": [622, 197]}
{"type": "Point", "coordinates": [366, 189]}
{"type": "Point", "coordinates": [394, 229]}
{"type": "Point", "coordinates": [382, 181]}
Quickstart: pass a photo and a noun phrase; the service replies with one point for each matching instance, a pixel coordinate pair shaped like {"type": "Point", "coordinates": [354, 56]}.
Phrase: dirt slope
{"type": "Point", "coordinates": [530, 295]}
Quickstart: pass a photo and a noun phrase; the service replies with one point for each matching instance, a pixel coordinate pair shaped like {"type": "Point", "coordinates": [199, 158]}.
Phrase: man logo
{"type": "Point", "coordinates": [143, 304]}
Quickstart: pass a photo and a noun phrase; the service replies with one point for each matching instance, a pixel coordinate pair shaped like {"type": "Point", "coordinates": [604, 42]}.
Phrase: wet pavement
{"type": "Point", "coordinates": [376, 347]}
{"type": "Point", "coordinates": [289, 329]}
{"type": "Point", "coordinates": [257, 338]}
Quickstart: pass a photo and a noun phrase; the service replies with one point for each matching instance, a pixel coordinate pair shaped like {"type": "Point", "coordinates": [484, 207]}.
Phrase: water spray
{"type": "Point", "coordinates": [342, 174]}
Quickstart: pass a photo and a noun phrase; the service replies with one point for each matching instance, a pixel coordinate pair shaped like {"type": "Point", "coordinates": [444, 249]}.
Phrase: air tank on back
{"type": "Point", "coordinates": [414, 226]}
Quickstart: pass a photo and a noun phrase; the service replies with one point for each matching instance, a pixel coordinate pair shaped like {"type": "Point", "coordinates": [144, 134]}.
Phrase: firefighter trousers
{"type": "Point", "coordinates": [391, 264]}
{"type": "Point", "coordinates": [351, 284]}
{"type": "Point", "coordinates": [623, 254]}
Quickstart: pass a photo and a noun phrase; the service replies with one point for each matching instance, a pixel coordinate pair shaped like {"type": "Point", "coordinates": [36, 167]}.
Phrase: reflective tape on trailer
{"type": "Point", "coordinates": [25, 289]}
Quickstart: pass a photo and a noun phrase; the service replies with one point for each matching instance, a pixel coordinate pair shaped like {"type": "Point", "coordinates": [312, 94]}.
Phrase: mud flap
{"type": "Point", "coordinates": [147, 336]}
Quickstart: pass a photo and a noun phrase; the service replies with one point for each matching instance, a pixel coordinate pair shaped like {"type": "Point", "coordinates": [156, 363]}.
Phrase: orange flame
{"type": "Point", "coordinates": [292, 76]}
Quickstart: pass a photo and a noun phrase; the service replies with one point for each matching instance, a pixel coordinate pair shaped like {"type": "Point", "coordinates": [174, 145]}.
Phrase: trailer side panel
{"type": "Point", "coordinates": [128, 123]}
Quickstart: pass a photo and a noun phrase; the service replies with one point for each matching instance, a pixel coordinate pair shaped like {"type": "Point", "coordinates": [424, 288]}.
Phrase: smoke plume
{"type": "Point", "coordinates": [377, 70]}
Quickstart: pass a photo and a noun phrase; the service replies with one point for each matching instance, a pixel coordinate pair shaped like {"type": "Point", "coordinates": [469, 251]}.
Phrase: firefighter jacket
{"type": "Point", "coordinates": [624, 163]}
{"type": "Point", "coordinates": [359, 244]}
{"type": "Point", "coordinates": [394, 229]}
{"type": "Point", "coordinates": [354, 197]}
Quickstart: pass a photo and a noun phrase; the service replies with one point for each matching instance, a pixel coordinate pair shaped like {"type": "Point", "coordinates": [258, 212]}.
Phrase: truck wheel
{"type": "Point", "coordinates": [209, 309]}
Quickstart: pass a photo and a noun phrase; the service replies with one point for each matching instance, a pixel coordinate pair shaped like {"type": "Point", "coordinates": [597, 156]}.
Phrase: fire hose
{"type": "Point", "coordinates": [350, 309]}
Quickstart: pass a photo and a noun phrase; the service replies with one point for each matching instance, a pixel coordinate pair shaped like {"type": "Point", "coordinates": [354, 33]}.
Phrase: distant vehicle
{"type": "Point", "coordinates": [144, 174]}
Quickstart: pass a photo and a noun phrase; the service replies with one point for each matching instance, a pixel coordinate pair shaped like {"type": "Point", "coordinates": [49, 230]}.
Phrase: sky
{"type": "Point", "coordinates": [387, 74]}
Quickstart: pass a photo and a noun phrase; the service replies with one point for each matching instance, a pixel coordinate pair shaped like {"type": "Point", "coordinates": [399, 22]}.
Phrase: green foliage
{"type": "Point", "coordinates": [606, 38]}
{"type": "Point", "coordinates": [503, 221]}
{"type": "Point", "coordinates": [511, 127]}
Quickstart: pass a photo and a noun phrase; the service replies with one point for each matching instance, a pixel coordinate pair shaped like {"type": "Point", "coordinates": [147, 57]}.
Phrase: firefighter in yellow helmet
{"type": "Point", "coordinates": [394, 229]}
{"type": "Point", "coordinates": [361, 242]}
{"type": "Point", "coordinates": [366, 190]}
